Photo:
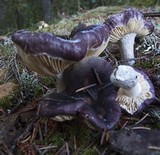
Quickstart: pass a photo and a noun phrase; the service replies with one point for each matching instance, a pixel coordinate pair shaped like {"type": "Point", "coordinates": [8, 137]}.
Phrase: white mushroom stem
{"type": "Point", "coordinates": [132, 92]}
{"type": "Point", "coordinates": [125, 77]}
{"type": "Point", "coordinates": [127, 48]}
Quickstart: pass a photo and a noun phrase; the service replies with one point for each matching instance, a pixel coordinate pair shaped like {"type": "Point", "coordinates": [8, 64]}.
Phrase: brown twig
{"type": "Point", "coordinates": [97, 77]}
{"type": "Point", "coordinates": [112, 57]}
{"type": "Point", "coordinates": [103, 137]}
{"type": "Point", "coordinates": [34, 133]}
{"type": "Point", "coordinates": [123, 126]}
{"type": "Point", "coordinates": [63, 150]}
{"type": "Point", "coordinates": [28, 129]}
{"type": "Point", "coordinates": [152, 14]}
{"type": "Point", "coordinates": [97, 151]}
{"type": "Point", "coordinates": [91, 95]}
{"type": "Point", "coordinates": [47, 148]}
{"type": "Point", "coordinates": [40, 133]}
{"type": "Point", "coordinates": [37, 148]}
{"type": "Point", "coordinates": [7, 149]}
{"type": "Point", "coordinates": [75, 143]}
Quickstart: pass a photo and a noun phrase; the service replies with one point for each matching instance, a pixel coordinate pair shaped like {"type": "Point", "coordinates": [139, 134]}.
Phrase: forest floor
{"type": "Point", "coordinates": [24, 132]}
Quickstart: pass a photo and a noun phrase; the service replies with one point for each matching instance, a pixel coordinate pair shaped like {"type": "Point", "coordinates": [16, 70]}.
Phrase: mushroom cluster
{"type": "Point", "coordinates": [87, 81]}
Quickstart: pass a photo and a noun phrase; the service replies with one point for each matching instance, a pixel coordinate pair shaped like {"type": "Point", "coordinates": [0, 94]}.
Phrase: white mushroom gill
{"type": "Point", "coordinates": [97, 51]}
{"type": "Point", "coordinates": [43, 63]}
{"type": "Point", "coordinates": [127, 48]}
{"type": "Point", "coordinates": [134, 88]}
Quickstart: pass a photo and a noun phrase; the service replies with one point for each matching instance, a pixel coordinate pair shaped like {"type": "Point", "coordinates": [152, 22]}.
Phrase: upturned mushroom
{"type": "Point", "coordinates": [88, 94]}
{"type": "Point", "coordinates": [135, 92]}
{"type": "Point", "coordinates": [50, 55]}
{"type": "Point", "coordinates": [124, 27]}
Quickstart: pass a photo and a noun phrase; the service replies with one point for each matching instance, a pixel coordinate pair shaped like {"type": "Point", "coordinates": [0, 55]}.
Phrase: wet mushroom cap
{"type": "Point", "coordinates": [49, 55]}
{"type": "Point", "coordinates": [128, 21]}
{"type": "Point", "coordinates": [136, 89]}
{"type": "Point", "coordinates": [95, 104]}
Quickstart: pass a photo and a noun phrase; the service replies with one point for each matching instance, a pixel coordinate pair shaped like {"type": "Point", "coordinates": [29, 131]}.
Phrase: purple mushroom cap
{"type": "Point", "coordinates": [96, 104]}
{"type": "Point", "coordinates": [150, 99]}
{"type": "Point", "coordinates": [128, 21]}
{"type": "Point", "coordinates": [48, 54]}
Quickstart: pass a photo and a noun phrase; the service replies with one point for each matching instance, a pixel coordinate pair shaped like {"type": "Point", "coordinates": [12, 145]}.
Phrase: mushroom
{"type": "Point", "coordinates": [124, 27]}
{"type": "Point", "coordinates": [88, 94]}
{"type": "Point", "coordinates": [50, 55]}
{"type": "Point", "coordinates": [136, 90]}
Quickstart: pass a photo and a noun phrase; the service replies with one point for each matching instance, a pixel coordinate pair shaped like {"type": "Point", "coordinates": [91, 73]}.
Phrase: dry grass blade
{"type": "Point", "coordinates": [63, 150]}
{"type": "Point", "coordinates": [47, 149]}
{"type": "Point", "coordinates": [103, 137]}
{"type": "Point", "coordinates": [86, 87]}
{"type": "Point", "coordinates": [146, 115]}
{"type": "Point", "coordinates": [141, 127]}
{"type": "Point", "coordinates": [123, 126]}
{"type": "Point", "coordinates": [154, 148]}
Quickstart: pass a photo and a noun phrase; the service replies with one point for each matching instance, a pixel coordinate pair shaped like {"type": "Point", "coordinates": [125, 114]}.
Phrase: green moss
{"type": "Point", "coordinates": [89, 151]}
{"type": "Point", "coordinates": [6, 102]}
{"type": "Point", "coordinates": [142, 3]}
{"type": "Point", "coordinates": [55, 139]}
{"type": "Point", "coordinates": [95, 16]}
{"type": "Point", "coordinates": [147, 63]}
{"type": "Point", "coordinates": [82, 134]}
{"type": "Point", "coordinates": [7, 93]}
{"type": "Point", "coordinates": [48, 81]}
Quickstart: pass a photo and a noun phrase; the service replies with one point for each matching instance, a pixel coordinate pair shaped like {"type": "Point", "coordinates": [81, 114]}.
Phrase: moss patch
{"type": "Point", "coordinates": [7, 91]}
{"type": "Point", "coordinates": [95, 16]}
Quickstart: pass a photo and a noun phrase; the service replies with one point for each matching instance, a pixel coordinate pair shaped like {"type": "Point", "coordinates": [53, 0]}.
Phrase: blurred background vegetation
{"type": "Point", "coordinates": [19, 14]}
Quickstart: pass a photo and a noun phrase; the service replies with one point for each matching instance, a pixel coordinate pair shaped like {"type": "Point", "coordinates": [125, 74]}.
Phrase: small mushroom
{"type": "Point", "coordinates": [50, 55]}
{"type": "Point", "coordinates": [88, 94]}
{"type": "Point", "coordinates": [136, 90]}
{"type": "Point", "coordinates": [124, 27]}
